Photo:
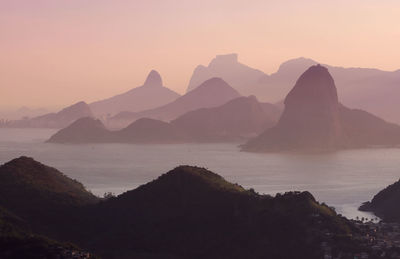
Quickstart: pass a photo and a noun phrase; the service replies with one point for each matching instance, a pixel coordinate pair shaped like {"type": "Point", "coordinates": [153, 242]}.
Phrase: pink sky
{"type": "Point", "coordinates": [54, 53]}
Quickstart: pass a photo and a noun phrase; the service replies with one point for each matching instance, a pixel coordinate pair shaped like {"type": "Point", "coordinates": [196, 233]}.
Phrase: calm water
{"type": "Point", "coordinates": [343, 179]}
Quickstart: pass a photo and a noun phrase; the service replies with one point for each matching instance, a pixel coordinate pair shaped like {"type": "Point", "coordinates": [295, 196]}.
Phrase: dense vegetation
{"type": "Point", "coordinates": [385, 204]}
{"type": "Point", "coordinates": [41, 195]}
{"type": "Point", "coordinates": [188, 212]}
{"type": "Point", "coordinates": [17, 241]}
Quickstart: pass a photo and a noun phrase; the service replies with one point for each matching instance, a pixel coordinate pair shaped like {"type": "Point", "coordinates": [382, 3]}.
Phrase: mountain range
{"type": "Point", "coordinates": [227, 67]}
{"type": "Point", "coordinates": [150, 95]}
{"type": "Point", "coordinates": [373, 90]}
{"type": "Point", "coordinates": [188, 212]}
{"type": "Point", "coordinates": [57, 120]}
{"type": "Point", "coordinates": [314, 119]}
{"type": "Point", "coordinates": [238, 119]}
{"type": "Point", "coordinates": [211, 93]}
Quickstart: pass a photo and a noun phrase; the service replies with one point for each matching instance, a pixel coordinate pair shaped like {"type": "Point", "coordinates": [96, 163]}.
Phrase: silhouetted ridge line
{"type": "Point", "coordinates": [313, 119]}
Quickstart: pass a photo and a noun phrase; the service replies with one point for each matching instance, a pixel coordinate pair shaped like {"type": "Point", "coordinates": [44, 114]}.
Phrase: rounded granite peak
{"type": "Point", "coordinates": [315, 85]}
{"type": "Point", "coordinates": [153, 79]}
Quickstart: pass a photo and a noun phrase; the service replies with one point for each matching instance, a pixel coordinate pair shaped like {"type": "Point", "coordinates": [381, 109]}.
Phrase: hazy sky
{"type": "Point", "coordinates": [56, 52]}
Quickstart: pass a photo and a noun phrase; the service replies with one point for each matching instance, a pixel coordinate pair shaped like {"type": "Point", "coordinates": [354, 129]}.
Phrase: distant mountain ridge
{"type": "Point", "coordinates": [313, 119]}
{"type": "Point", "coordinates": [211, 93]}
{"type": "Point", "coordinates": [238, 119]}
{"type": "Point", "coordinates": [373, 90]}
{"type": "Point", "coordinates": [60, 119]}
{"type": "Point", "coordinates": [227, 67]}
{"type": "Point", "coordinates": [150, 95]}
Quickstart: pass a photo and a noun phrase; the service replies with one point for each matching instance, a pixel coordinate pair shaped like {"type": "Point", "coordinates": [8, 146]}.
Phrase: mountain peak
{"type": "Point", "coordinates": [315, 85]}
{"type": "Point", "coordinates": [311, 117]}
{"type": "Point", "coordinates": [79, 109]}
{"type": "Point", "coordinates": [25, 176]}
{"type": "Point", "coordinates": [23, 160]}
{"type": "Point", "coordinates": [214, 82]}
{"type": "Point", "coordinates": [224, 59]}
{"type": "Point", "coordinates": [191, 179]}
{"type": "Point", "coordinates": [296, 65]}
{"type": "Point", "coordinates": [153, 79]}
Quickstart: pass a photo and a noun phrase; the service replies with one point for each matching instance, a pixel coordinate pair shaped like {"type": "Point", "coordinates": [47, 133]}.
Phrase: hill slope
{"type": "Point", "coordinates": [211, 93]}
{"type": "Point", "coordinates": [313, 119]}
{"type": "Point", "coordinates": [150, 95]}
{"type": "Point", "coordinates": [227, 67]}
{"type": "Point", "coordinates": [240, 118]}
{"type": "Point", "coordinates": [368, 89]}
{"type": "Point", "coordinates": [189, 212]}
{"type": "Point", "coordinates": [198, 214]}
{"type": "Point", "coordinates": [151, 131]}
{"type": "Point", "coordinates": [385, 204]}
{"type": "Point", "coordinates": [84, 130]}
{"type": "Point", "coordinates": [39, 194]}
{"type": "Point", "coordinates": [60, 119]}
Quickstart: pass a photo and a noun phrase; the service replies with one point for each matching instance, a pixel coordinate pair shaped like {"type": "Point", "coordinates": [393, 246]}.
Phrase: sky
{"type": "Point", "coordinates": [55, 53]}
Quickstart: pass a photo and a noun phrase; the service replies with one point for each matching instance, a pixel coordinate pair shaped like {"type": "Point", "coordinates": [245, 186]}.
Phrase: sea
{"type": "Point", "coordinates": [342, 179]}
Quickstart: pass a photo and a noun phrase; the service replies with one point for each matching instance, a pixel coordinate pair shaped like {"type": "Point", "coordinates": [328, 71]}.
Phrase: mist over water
{"type": "Point", "coordinates": [342, 179]}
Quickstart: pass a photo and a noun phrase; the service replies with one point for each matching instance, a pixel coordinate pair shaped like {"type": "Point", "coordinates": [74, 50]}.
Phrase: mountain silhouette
{"type": "Point", "coordinates": [238, 119]}
{"type": "Point", "coordinates": [196, 213]}
{"type": "Point", "coordinates": [188, 212]}
{"type": "Point", "coordinates": [83, 130]}
{"type": "Point", "coordinates": [372, 90]}
{"type": "Point", "coordinates": [313, 118]}
{"type": "Point", "coordinates": [60, 119]}
{"type": "Point", "coordinates": [211, 93]}
{"type": "Point", "coordinates": [150, 131]}
{"type": "Point", "coordinates": [368, 89]}
{"type": "Point", "coordinates": [150, 95]}
{"type": "Point", "coordinates": [385, 203]}
{"type": "Point", "coordinates": [227, 67]}
{"type": "Point", "coordinates": [142, 131]}
{"type": "Point", "coordinates": [39, 194]}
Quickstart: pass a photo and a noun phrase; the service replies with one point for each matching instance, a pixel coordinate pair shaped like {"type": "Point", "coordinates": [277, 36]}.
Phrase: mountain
{"type": "Point", "coordinates": [22, 112]}
{"type": "Point", "coordinates": [36, 200]}
{"type": "Point", "coordinates": [60, 119]}
{"type": "Point", "coordinates": [363, 129]}
{"type": "Point", "coordinates": [148, 131]}
{"type": "Point", "coordinates": [40, 194]}
{"type": "Point", "coordinates": [239, 118]}
{"type": "Point", "coordinates": [142, 131]}
{"type": "Point", "coordinates": [313, 119]}
{"type": "Point", "coordinates": [83, 130]}
{"type": "Point", "coordinates": [227, 67]}
{"type": "Point", "coordinates": [275, 86]}
{"type": "Point", "coordinates": [310, 118]}
{"type": "Point", "coordinates": [188, 212]}
{"type": "Point", "coordinates": [211, 93]}
{"type": "Point", "coordinates": [385, 204]}
{"type": "Point", "coordinates": [191, 212]}
{"type": "Point", "coordinates": [150, 95]}
{"type": "Point", "coordinates": [368, 89]}
{"type": "Point", "coordinates": [18, 241]}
